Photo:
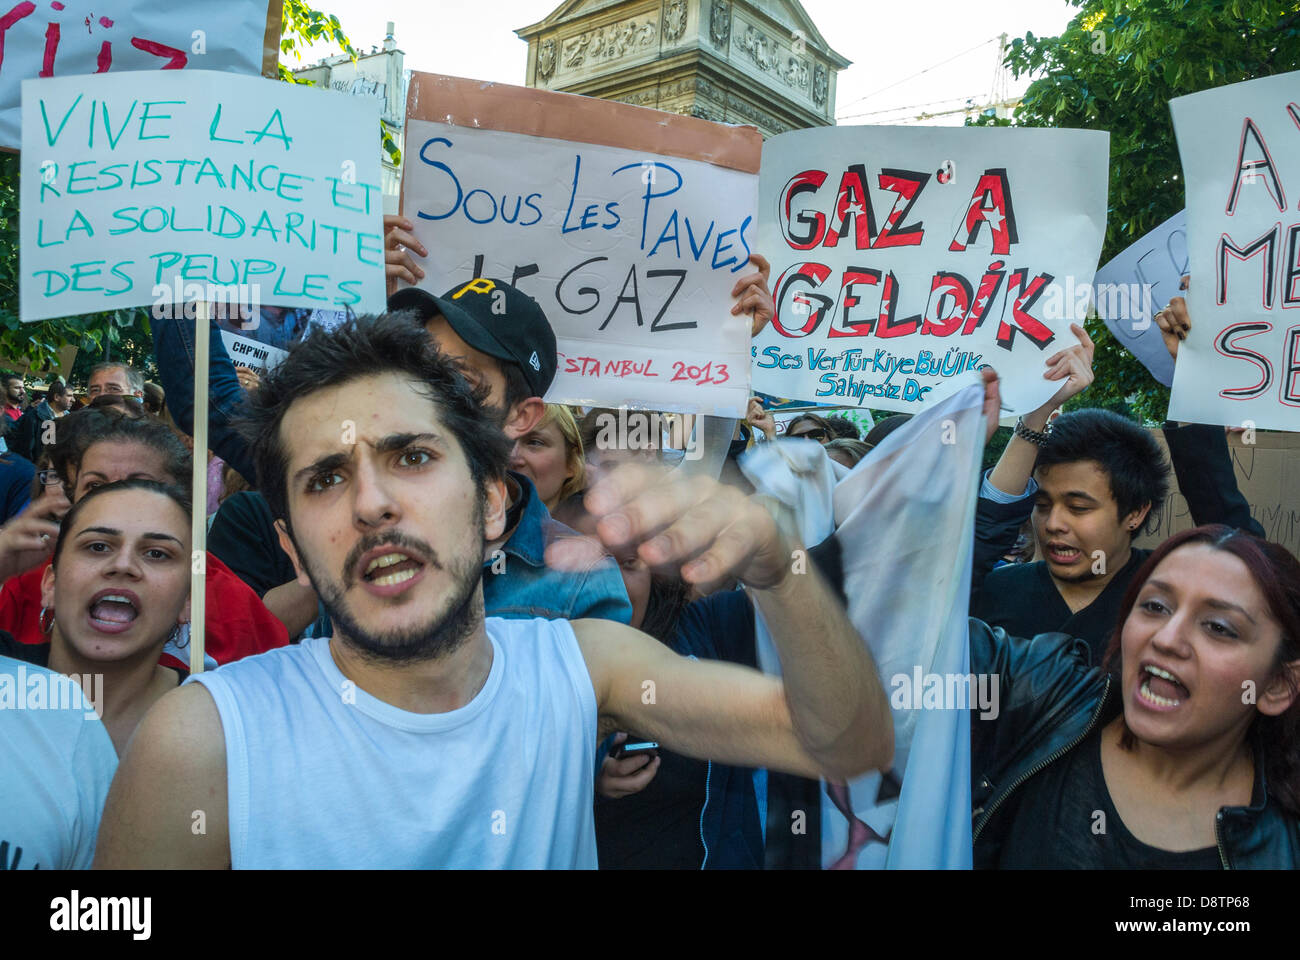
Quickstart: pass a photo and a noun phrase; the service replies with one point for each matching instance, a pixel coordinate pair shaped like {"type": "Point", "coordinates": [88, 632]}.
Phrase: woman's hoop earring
{"type": "Point", "coordinates": [46, 627]}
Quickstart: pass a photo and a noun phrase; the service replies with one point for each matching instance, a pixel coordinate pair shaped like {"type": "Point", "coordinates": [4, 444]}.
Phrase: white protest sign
{"type": "Point", "coordinates": [904, 257]}
{"type": "Point", "coordinates": [62, 39]}
{"type": "Point", "coordinates": [1240, 148]}
{"type": "Point", "coordinates": [217, 186]}
{"type": "Point", "coordinates": [1131, 288]}
{"type": "Point", "coordinates": [628, 226]}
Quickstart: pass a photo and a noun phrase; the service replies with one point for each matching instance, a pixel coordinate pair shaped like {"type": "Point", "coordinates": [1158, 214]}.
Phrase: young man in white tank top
{"type": "Point", "coordinates": [421, 734]}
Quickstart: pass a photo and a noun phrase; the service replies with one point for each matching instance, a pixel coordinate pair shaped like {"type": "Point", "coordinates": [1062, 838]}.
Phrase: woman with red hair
{"type": "Point", "coordinates": [1183, 751]}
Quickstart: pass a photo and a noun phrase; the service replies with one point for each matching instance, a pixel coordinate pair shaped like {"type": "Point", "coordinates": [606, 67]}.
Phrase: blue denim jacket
{"type": "Point", "coordinates": [524, 588]}
{"type": "Point", "coordinates": [521, 586]}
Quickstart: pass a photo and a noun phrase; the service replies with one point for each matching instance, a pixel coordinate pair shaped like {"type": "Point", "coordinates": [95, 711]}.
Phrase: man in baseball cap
{"type": "Point", "coordinates": [501, 340]}
{"type": "Point", "coordinates": [484, 318]}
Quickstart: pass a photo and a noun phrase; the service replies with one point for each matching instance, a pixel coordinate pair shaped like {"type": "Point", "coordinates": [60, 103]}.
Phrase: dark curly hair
{"type": "Point", "coordinates": [362, 347]}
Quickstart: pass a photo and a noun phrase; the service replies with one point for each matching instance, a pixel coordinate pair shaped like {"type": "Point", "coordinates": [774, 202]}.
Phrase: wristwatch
{"type": "Point", "coordinates": [1033, 436]}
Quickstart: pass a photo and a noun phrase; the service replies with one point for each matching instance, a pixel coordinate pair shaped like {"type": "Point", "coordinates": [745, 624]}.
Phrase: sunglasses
{"type": "Point", "coordinates": [817, 433]}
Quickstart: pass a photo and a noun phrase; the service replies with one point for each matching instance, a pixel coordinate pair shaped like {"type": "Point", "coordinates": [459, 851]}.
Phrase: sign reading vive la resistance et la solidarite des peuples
{"type": "Point", "coordinates": [903, 258]}
{"type": "Point", "coordinates": [135, 193]}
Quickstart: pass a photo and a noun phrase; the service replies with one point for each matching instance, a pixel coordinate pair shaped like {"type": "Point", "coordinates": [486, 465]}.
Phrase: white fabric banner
{"type": "Point", "coordinates": [1240, 148]}
{"type": "Point", "coordinates": [908, 596]}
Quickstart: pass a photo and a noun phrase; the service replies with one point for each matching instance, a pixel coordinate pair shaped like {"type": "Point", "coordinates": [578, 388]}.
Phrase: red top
{"type": "Point", "coordinates": [13, 412]}
{"type": "Point", "coordinates": [238, 623]}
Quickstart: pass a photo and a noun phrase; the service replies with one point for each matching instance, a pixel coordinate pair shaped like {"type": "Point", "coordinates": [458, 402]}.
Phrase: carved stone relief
{"type": "Point", "coordinates": [609, 43]}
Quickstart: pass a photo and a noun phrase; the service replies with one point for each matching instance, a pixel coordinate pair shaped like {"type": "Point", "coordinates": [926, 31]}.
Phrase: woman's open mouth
{"type": "Point", "coordinates": [1159, 689]}
{"type": "Point", "coordinates": [113, 611]}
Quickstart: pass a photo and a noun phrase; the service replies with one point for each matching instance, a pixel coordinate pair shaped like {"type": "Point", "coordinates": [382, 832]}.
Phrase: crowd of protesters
{"type": "Point", "coordinates": [449, 624]}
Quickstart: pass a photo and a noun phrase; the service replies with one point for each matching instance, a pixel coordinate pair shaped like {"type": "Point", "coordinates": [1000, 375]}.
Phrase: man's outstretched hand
{"type": "Point", "coordinates": [712, 532]}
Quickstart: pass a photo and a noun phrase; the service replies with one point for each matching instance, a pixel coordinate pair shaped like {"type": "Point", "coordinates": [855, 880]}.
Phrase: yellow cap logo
{"type": "Point", "coordinates": [479, 285]}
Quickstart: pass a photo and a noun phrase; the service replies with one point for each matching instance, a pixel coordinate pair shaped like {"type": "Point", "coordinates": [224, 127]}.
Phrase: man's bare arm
{"type": "Point", "coordinates": [171, 780]}
{"type": "Point", "coordinates": [831, 703]}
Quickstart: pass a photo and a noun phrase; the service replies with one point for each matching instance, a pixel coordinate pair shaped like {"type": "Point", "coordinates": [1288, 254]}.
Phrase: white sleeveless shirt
{"type": "Point", "coordinates": [320, 774]}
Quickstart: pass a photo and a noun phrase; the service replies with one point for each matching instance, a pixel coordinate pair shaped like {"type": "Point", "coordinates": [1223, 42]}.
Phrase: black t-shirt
{"type": "Point", "coordinates": [243, 537]}
{"type": "Point", "coordinates": [1022, 599]}
{"type": "Point", "coordinates": [658, 828]}
{"type": "Point", "coordinates": [1064, 819]}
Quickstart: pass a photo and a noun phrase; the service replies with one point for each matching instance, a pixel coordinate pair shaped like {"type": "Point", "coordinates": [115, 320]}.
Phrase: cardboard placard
{"type": "Point", "coordinates": [1268, 475]}
{"type": "Point", "coordinates": [628, 226]}
{"type": "Point", "coordinates": [905, 257]}
{"type": "Point", "coordinates": [221, 187]}
{"type": "Point", "coordinates": [1240, 149]}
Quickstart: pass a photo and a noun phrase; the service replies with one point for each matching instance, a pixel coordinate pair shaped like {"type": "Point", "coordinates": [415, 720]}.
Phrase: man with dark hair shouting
{"type": "Point", "coordinates": [423, 734]}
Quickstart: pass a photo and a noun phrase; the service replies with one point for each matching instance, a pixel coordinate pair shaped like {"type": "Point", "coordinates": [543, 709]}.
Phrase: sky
{"type": "Point", "coordinates": [925, 55]}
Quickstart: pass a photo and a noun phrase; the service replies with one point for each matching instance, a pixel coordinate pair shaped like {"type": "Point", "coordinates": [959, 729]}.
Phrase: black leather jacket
{"type": "Point", "coordinates": [1049, 700]}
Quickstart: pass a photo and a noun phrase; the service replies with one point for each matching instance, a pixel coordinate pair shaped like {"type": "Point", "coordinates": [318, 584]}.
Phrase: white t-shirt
{"type": "Point", "coordinates": [320, 774]}
{"type": "Point", "coordinates": [56, 764]}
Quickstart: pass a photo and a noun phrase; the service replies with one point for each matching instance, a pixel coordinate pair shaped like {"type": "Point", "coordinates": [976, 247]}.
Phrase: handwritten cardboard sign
{"type": "Point", "coordinates": [1240, 148]}
{"type": "Point", "coordinates": [134, 194]}
{"type": "Point", "coordinates": [1268, 476]}
{"type": "Point", "coordinates": [629, 226]}
{"type": "Point", "coordinates": [63, 39]}
{"type": "Point", "coordinates": [902, 258]}
{"type": "Point", "coordinates": [1132, 287]}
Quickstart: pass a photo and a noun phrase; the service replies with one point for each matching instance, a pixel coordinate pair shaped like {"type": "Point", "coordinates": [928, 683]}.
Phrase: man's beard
{"type": "Point", "coordinates": [441, 635]}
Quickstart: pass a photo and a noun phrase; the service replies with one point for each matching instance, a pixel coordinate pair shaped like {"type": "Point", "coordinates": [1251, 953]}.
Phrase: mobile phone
{"type": "Point", "coordinates": [635, 748]}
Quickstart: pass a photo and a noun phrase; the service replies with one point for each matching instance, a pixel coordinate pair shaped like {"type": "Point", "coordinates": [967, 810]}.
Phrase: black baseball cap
{"type": "Point", "coordinates": [496, 318]}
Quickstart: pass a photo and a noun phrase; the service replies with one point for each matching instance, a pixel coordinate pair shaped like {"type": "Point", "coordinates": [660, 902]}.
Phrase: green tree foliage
{"type": "Point", "coordinates": [120, 334]}
{"type": "Point", "coordinates": [1115, 68]}
{"type": "Point", "coordinates": [304, 26]}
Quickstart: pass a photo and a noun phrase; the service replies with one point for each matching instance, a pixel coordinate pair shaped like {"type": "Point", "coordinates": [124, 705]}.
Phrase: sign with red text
{"type": "Point", "coordinates": [1240, 148]}
{"type": "Point", "coordinates": [220, 187]}
{"type": "Point", "coordinates": [63, 38]}
{"type": "Point", "coordinates": [905, 257]}
{"type": "Point", "coordinates": [629, 226]}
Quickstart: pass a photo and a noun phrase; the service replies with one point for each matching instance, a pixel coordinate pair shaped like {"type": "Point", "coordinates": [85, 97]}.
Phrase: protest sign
{"type": "Point", "coordinates": [629, 226]}
{"type": "Point", "coordinates": [1240, 148]}
{"type": "Point", "coordinates": [1267, 468]}
{"type": "Point", "coordinates": [904, 257]}
{"type": "Point", "coordinates": [1133, 287]}
{"type": "Point", "coordinates": [220, 187]}
{"type": "Point", "coordinates": [68, 39]}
